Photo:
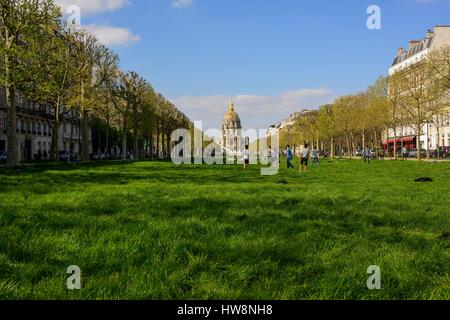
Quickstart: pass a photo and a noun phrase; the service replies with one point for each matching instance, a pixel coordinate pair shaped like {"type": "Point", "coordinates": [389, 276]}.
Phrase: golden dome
{"type": "Point", "coordinates": [231, 118]}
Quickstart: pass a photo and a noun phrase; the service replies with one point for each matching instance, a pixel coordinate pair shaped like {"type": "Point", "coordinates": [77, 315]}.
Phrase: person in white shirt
{"type": "Point", "coordinates": [304, 158]}
{"type": "Point", "coordinates": [269, 155]}
{"type": "Point", "coordinates": [274, 158]}
{"type": "Point", "coordinates": [246, 158]}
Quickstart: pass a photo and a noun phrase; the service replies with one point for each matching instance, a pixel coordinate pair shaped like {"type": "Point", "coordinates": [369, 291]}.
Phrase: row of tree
{"type": "Point", "coordinates": [413, 97]}
{"type": "Point", "coordinates": [60, 66]}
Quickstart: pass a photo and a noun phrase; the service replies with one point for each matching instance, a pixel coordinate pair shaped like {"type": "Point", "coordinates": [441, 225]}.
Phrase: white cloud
{"type": "Point", "coordinates": [256, 111]}
{"type": "Point", "coordinates": [112, 36]}
{"type": "Point", "coordinates": [108, 35]}
{"type": "Point", "coordinates": [89, 7]}
{"type": "Point", "coordinates": [181, 3]}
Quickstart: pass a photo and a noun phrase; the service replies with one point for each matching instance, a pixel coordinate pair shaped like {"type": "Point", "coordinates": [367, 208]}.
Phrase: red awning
{"type": "Point", "coordinates": [408, 139]}
{"type": "Point", "coordinates": [405, 139]}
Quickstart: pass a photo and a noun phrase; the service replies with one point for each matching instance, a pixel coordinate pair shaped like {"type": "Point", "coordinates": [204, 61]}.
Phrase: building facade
{"type": "Point", "coordinates": [34, 130]}
{"type": "Point", "coordinates": [437, 132]}
{"type": "Point", "coordinates": [232, 141]}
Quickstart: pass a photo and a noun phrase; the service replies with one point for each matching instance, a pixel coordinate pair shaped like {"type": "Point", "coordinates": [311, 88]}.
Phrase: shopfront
{"type": "Point", "coordinates": [403, 142]}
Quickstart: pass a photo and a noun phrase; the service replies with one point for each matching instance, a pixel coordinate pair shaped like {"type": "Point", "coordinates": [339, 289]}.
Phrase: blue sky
{"type": "Point", "coordinates": [274, 57]}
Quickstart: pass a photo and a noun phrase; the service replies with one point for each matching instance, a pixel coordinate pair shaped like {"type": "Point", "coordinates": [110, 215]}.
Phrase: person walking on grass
{"type": "Point", "coordinates": [246, 158]}
{"type": "Point", "coordinates": [289, 157]}
{"type": "Point", "coordinates": [367, 155]}
{"type": "Point", "coordinates": [315, 156]}
{"type": "Point", "coordinates": [304, 158]}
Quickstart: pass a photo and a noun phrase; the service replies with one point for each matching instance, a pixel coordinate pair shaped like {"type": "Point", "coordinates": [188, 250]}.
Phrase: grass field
{"type": "Point", "coordinates": [153, 230]}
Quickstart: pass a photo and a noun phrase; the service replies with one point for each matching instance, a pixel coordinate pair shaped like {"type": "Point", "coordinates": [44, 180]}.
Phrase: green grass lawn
{"type": "Point", "coordinates": [153, 230]}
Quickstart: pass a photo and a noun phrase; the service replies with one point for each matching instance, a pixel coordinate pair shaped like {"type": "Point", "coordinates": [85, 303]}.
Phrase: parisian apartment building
{"type": "Point", "coordinates": [436, 133]}
{"type": "Point", "coordinates": [34, 130]}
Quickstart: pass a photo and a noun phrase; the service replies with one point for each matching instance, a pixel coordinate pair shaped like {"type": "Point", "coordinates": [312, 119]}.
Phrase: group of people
{"type": "Point", "coordinates": [305, 155]}
{"type": "Point", "coordinates": [273, 157]}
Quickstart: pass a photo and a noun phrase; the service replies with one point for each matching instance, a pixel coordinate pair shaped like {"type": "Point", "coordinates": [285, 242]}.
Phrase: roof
{"type": "Point", "coordinates": [423, 45]}
{"type": "Point", "coordinates": [231, 115]}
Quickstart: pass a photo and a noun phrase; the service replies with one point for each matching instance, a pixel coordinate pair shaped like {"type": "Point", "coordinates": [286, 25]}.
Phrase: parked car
{"type": "Point", "coordinates": [100, 156]}
{"type": "Point", "coordinates": [3, 156]}
{"type": "Point", "coordinates": [413, 153]}
{"type": "Point", "coordinates": [444, 152]}
{"type": "Point", "coordinates": [359, 153]}
{"type": "Point", "coordinates": [66, 155]}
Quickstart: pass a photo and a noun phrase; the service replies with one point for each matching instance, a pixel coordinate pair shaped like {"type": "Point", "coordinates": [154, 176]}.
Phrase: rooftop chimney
{"type": "Point", "coordinates": [413, 43]}
{"type": "Point", "coordinates": [430, 34]}
{"type": "Point", "coordinates": [400, 52]}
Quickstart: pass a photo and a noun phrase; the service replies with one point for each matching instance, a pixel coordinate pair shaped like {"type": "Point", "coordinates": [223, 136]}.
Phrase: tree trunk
{"type": "Point", "coordinates": [168, 144]}
{"type": "Point", "coordinates": [13, 153]}
{"type": "Point", "coordinates": [332, 148]}
{"type": "Point", "coordinates": [363, 139]}
{"type": "Point", "coordinates": [428, 141]}
{"type": "Point", "coordinates": [85, 135]}
{"type": "Point", "coordinates": [151, 145]}
{"type": "Point", "coordinates": [163, 142]}
{"type": "Point", "coordinates": [419, 147]}
{"type": "Point", "coordinates": [352, 152]}
{"type": "Point", "coordinates": [340, 147]}
{"type": "Point", "coordinates": [54, 153]}
{"type": "Point", "coordinates": [79, 139]}
{"type": "Point", "coordinates": [395, 144]}
{"type": "Point", "coordinates": [347, 139]}
{"type": "Point", "coordinates": [157, 140]}
{"type": "Point", "coordinates": [107, 136]}
{"type": "Point", "coordinates": [99, 141]}
{"type": "Point", "coordinates": [70, 140]}
{"type": "Point", "coordinates": [135, 136]}
{"type": "Point", "coordinates": [135, 145]}
{"type": "Point", "coordinates": [124, 139]}
{"type": "Point", "coordinates": [438, 142]}
{"type": "Point", "coordinates": [84, 128]}
{"type": "Point", "coordinates": [376, 143]}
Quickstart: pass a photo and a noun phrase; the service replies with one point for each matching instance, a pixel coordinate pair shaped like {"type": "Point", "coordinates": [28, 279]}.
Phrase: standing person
{"type": "Point", "coordinates": [367, 155]}
{"type": "Point", "coordinates": [246, 158]}
{"type": "Point", "coordinates": [275, 158]}
{"type": "Point", "coordinates": [269, 155]}
{"type": "Point", "coordinates": [289, 157]}
{"type": "Point", "coordinates": [304, 158]}
{"type": "Point", "coordinates": [315, 156]}
{"type": "Point", "coordinates": [404, 153]}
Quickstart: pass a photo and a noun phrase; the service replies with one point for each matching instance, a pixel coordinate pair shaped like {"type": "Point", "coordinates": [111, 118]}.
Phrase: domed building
{"type": "Point", "coordinates": [231, 130]}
